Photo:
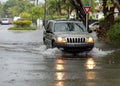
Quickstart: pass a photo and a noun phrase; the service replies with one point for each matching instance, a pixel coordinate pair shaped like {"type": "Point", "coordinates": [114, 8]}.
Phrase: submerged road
{"type": "Point", "coordinates": [25, 61]}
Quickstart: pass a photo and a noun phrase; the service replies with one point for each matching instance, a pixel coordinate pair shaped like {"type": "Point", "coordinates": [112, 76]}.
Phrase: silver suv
{"type": "Point", "coordinates": [68, 35]}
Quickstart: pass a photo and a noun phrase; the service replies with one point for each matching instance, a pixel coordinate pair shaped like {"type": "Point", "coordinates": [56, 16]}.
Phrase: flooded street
{"type": "Point", "coordinates": [25, 61]}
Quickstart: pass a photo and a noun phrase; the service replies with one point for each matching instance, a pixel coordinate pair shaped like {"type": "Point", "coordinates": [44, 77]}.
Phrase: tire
{"type": "Point", "coordinates": [53, 44]}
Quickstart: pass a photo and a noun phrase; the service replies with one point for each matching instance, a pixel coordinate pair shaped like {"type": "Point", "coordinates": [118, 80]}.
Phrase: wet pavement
{"type": "Point", "coordinates": [25, 61]}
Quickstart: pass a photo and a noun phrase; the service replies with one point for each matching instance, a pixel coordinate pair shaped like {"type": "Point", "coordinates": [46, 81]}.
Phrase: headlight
{"type": "Point", "coordinates": [61, 39]}
{"type": "Point", "coordinates": [90, 40]}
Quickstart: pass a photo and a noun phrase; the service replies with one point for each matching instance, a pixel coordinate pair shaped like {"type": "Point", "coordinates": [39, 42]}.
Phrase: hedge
{"type": "Point", "coordinates": [22, 23]}
{"type": "Point", "coordinates": [114, 34]}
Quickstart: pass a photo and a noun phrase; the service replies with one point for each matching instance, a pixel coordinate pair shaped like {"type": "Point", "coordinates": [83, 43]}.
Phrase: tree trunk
{"type": "Point", "coordinates": [108, 20]}
{"type": "Point", "coordinates": [79, 10]}
{"type": "Point", "coordinates": [58, 7]}
{"type": "Point", "coordinates": [109, 15]}
{"type": "Point", "coordinates": [117, 4]}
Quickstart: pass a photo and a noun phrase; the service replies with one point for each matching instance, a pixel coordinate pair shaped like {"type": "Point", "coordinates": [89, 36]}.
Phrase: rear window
{"type": "Point", "coordinates": [5, 19]}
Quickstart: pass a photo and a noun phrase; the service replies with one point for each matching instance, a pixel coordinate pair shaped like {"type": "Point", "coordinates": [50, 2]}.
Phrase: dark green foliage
{"type": "Point", "coordinates": [114, 34]}
{"type": "Point", "coordinates": [101, 21]}
{"type": "Point", "coordinates": [117, 19]}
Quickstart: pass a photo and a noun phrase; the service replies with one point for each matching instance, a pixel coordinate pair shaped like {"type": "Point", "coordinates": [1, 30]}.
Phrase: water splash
{"type": "Point", "coordinates": [41, 48]}
{"type": "Point", "coordinates": [97, 52]}
{"type": "Point", "coordinates": [55, 52]}
{"type": "Point", "coordinates": [52, 52]}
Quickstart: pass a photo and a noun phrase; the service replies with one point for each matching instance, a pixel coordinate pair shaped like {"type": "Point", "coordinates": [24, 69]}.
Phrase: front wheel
{"type": "Point", "coordinates": [52, 44]}
{"type": "Point", "coordinates": [43, 40]}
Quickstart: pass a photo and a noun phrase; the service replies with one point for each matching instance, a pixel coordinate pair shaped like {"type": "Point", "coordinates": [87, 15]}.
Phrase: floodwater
{"type": "Point", "coordinates": [25, 61]}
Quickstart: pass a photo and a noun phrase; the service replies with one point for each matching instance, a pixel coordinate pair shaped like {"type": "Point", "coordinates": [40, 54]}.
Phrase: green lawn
{"type": "Point", "coordinates": [22, 28]}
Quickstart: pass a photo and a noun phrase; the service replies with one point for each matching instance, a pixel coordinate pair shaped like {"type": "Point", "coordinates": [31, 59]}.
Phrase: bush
{"type": "Point", "coordinates": [25, 15]}
{"type": "Point", "coordinates": [101, 21]}
{"type": "Point", "coordinates": [22, 23]}
{"type": "Point", "coordinates": [114, 34]}
{"type": "Point", "coordinates": [117, 19]}
{"type": "Point", "coordinates": [56, 17]}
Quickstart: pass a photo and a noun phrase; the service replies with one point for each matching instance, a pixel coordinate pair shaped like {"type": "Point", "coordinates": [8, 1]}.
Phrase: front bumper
{"type": "Point", "coordinates": [75, 46]}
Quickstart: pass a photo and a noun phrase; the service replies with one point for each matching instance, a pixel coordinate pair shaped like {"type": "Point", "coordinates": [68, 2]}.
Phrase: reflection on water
{"type": "Point", "coordinates": [60, 64]}
{"type": "Point", "coordinates": [59, 67]}
{"type": "Point", "coordinates": [90, 75]}
{"type": "Point", "coordinates": [59, 61]}
{"type": "Point", "coordinates": [60, 76]}
{"type": "Point", "coordinates": [90, 63]}
{"type": "Point", "coordinates": [60, 83]}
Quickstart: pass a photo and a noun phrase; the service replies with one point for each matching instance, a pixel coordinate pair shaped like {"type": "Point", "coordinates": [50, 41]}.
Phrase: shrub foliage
{"type": "Point", "coordinates": [22, 23]}
{"type": "Point", "coordinates": [114, 34]}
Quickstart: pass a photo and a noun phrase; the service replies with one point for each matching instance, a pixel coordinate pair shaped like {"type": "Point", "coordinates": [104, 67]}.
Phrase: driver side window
{"type": "Point", "coordinates": [50, 26]}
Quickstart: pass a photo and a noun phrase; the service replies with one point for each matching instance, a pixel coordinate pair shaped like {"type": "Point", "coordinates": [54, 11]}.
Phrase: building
{"type": "Point", "coordinates": [36, 2]}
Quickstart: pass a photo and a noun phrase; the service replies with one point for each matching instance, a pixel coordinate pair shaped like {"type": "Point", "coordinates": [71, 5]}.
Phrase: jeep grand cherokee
{"type": "Point", "coordinates": [67, 35]}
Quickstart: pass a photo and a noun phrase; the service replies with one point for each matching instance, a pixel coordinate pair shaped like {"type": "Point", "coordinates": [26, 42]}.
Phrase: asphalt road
{"type": "Point", "coordinates": [25, 61]}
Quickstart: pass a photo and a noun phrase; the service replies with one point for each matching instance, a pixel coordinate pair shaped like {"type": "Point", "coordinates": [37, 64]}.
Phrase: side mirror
{"type": "Point", "coordinates": [90, 31]}
{"type": "Point", "coordinates": [48, 31]}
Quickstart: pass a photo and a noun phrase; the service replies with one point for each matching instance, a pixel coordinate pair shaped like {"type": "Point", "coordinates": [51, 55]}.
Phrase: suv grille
{"type": "Point", "coordinates": [75, 40]}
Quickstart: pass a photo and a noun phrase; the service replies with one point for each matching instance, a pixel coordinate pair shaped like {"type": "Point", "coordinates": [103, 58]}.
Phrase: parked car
{"type": "Point", "coordinates": [68, 35]}
{"type": "Point", "coordinates": [16, 18]}
{"type": "Point", "coordinates": [94, 26]}
{"type": "Point", "coordinates": [6, 21]}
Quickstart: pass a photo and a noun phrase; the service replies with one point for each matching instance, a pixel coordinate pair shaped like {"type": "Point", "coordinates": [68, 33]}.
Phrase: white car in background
{"type": "Point", "coordinates": [16, 18]}
{"type": "Point", "coordinates": [6, 21]}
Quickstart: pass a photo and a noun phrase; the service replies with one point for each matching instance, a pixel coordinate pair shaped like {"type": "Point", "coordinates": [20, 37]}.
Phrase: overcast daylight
{"type": "Point", "coordinates": [40, 1]}
{"type": "Point", "coordinates": [3, 0]}
{"type": "Point", "coordinates": [59, 42]}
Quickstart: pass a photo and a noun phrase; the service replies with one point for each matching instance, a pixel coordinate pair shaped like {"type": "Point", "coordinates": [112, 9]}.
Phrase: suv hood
{"type": "Point", "coordinates": [72, 34]}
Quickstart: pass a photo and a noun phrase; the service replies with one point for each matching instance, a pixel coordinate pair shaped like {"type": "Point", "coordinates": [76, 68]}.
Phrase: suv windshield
{"type": "Point", "coordinates": [75, 27]}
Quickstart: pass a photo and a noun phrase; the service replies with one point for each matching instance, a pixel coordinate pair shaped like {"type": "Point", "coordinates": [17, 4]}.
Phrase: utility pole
{"type": "Point", "coordinates": [37, 2]}
{"type": "Point", "coordinates": [44, 21]}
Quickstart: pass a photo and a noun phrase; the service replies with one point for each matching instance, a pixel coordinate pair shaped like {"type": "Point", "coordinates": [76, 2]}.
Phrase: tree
{"type": "Point", "coordinates": [25, 15]}
{"type": "Point", "coordinates": [78, 6]}
{"type": "Point", "coordinates": [15, 7]}
{"type": "Point", "coordinates": [1, 11]}
{"type": "Point", "coordinates": [58, 6]}
{"type": "Point", "coordinates": [54, 7]}
{"type": "Point", "coordinates": [37, 12]}
{"type": "Point", "coordinates": [66, 5]}
{"type": "Point", "coordinates": [117, 4]}
{"type": "Point", "coordinates": [108, 10]}
{"type": "Point", "coordinates": [51, 7]}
